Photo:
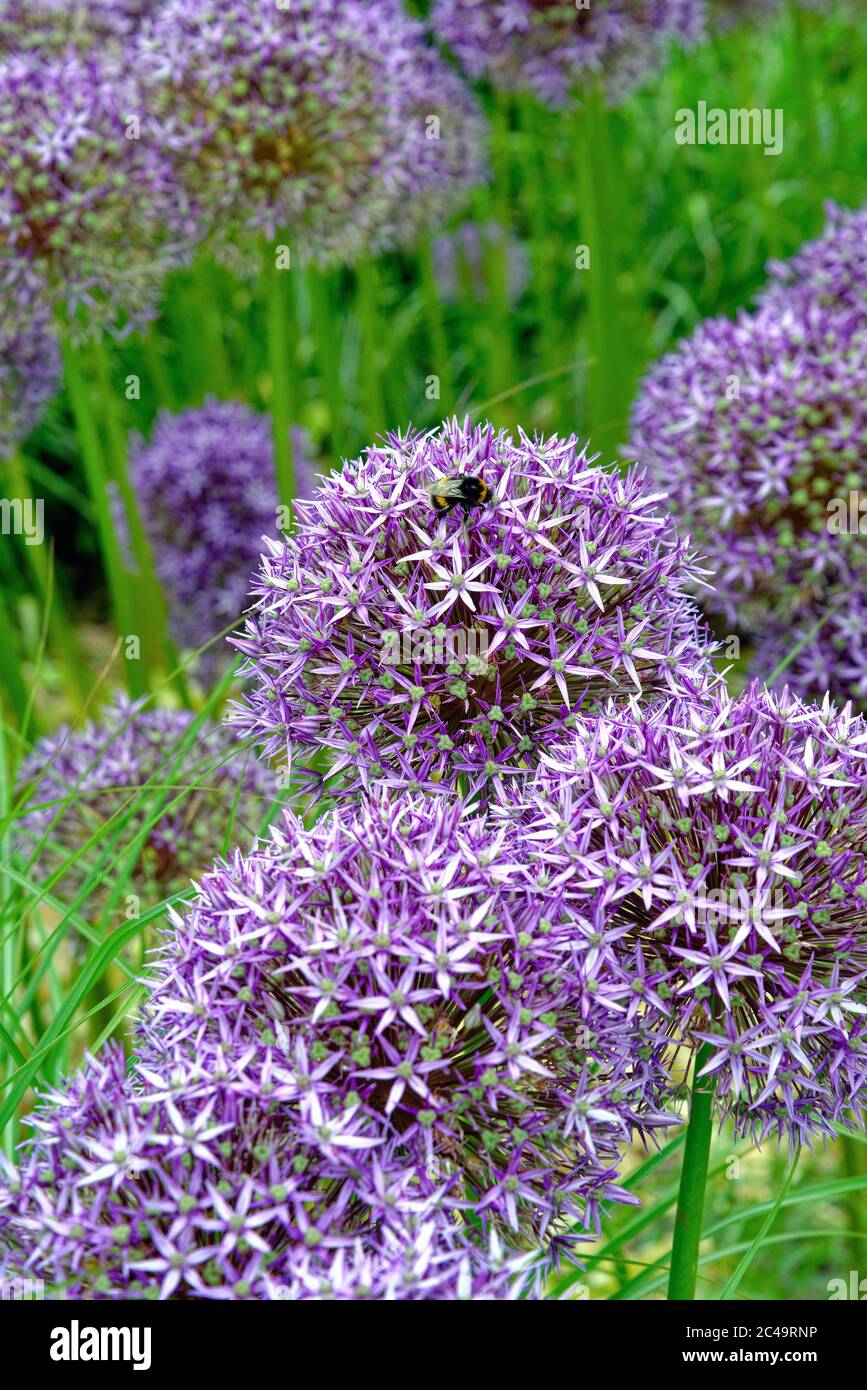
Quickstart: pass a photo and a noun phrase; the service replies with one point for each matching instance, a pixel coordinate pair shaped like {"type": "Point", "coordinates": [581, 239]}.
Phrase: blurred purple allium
{"type": "Point", "coordinates": [81, 784]}
{"type": "Point", "coordinates": [412, 648]}
{"type": "Point", "coordinates": [30, 365]}
{"type": "Point", "coordinates": [461, 259]}
{"type": "Point", "coordinates": [553, 49]}
{"type": "Point", "coordinates": [329, 121]}
{"type": "Point", "coordinates": [830, 272]}
{"type": "Point", "coordinates": [87, 195]}
{"type": "Point", "coordinates": [207, 493]}
{"type": "Point", "coordinates": [824, 647]}
{"type": "Point", "coordinates": [757, 429]}
{"type": "Point", "coordinates": [54, 25]}
{"type": "Point", "coordinates": [131, 1188]}
{"type": "Point", "coordinates": [715, 855]}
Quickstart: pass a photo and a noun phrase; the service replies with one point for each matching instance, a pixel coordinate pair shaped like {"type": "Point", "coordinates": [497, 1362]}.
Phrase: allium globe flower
{"type": "Point", "coordinates": [757, 427]}
{"type": "Point", "coordinates": [80, 780]}
{"type": "Point", "coordinates": [828, 273]}
{"type": "Point", "coordinates": [399, 981]}
{"type": "Point", "coordinates": [459, 262]}
{"type": "Point", "coordinates": [551, 48]}
{"type": "Point", "coordinates": [328, 121]}
{"type": "Point", "coordinates": [414, 649]}
{"type": "Point", "coordinates": [441, 150]}
{"type": "Point", "coordinates": [367, 1069]}
{"type": "Point", "coordinates": [30, 367]}
{"type": "Point", "coordinates": [54, 25]}
{"type": "Point", "coordinates": [716, 857]}
{"type": "Point", "coordinates": [207, 493]}
{"type": "Point", "coordinates": [88, 200]}
{"type": "Point", "coordinates": [128, 1189]}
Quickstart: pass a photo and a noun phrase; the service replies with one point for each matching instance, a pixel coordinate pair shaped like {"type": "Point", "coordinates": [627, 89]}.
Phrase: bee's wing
{"type": "Point", "coordinates": [450, 488]}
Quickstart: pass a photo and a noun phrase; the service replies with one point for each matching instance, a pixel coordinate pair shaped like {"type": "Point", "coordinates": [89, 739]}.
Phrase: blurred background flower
{"type": "Point", "coordinates": [819, 653]}
{"type": "Point", "coordinates": [41, 25]}
{"type": "Point", "coordinates": [757, 429]}
{"type": "Point", "coordinates": [88, 198]}
{"type": "Point", "coordinates": [462, 261]}
{"type": "Point", "coordinates": [83, 822]}
{"type": "Point", "coordinates": [753, 426]}
{"type": "Point", "coordinates": [29, 362]}
{"type": "Point", "coordinates": [553, 47]}
{"type": "Point", "coordinates": [207, 493]}
{"type": "Point", "coordinates": [325, 121]}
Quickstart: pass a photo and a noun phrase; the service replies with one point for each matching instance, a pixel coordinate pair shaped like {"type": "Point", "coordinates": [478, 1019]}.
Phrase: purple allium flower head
{"type": "Point", "coordinates": [81, 779]}
{"type": "Point", "coordinates": [30, 366]}
{"type": "Point", "coordinates": [130, 1189]}
{"type": "Point", "coordinates": [459, 261]}
{"type": "Point", "coordinates": [412, 647]}
{"type": "Point", "coordinates": [830, 272]}
{"type": "Point", "coordinates": [825, 648]}
{"type": "Point", "coordinates": [399, 981]}
{"type": "Point", "coordinates": [84, 202]}
{"type": "Point", "coordinates": [207, 493]}
{"type": "Point", "coordinates": [553, 49]}
{"type": "Point", "coordinates": [757, 428]}
{"type": "Point", "coordinates": [716, 855]}
{"type": "Point", "coordinates": [367, 1068]}
{"type": "Point", "coordinates": [54, 25]}
{"type": "Point", "coordinates": [329, 120]}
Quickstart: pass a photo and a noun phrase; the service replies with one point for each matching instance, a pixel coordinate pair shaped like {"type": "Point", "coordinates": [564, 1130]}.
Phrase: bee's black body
{"type": "Point", "coordinates": [462, 490]}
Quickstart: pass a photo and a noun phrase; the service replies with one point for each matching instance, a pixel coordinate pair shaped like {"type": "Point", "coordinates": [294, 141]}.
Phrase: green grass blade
{"type": "Point", "coordinates": [735, 1280]}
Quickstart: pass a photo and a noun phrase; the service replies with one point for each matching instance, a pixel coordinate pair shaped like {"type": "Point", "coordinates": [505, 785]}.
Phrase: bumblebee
{"type": "Point", "coordinates": [461, 490]}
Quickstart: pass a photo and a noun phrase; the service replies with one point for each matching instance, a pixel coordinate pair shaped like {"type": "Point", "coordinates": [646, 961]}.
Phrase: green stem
{"type": "Point", "coordinates": [195, 327]}
{"type": "Point", "coordinates": [372, 337]}
{"type": "Point", "coordinates": [9, 895]}
{"type": "Point", "coordinates": [852, 1154]}
{"type": "Point", "coordinates": [328, 345]}
{"type": "Point", "coordinates": [693, 1180]}
{"type": "Point", "coordinates": [160, 378]}
{"type": "Point", "coordinates": [152, 615]}
{"type": "Point", "coordinates": [501, 370]}
{"type": "Point", "coordinates": [279, 315]}
{"type": "Point", "coordinates": [43, 571]}
{"type": "Point", "coordinates": [806, 87]}
{"type": "Point", "coordinates": [119, 582]}
{"type": "Point", "coordinates": [609, 381]}
{"type": "Point", "coordinates": [16, 690]}
{"type": "Point", "coordinates": [734, 1282]}
{"type": "Point", "coordinates": [210, 319]}
{"type": "Point", "coordinates": [545, 250]}
{"type": "Point", "coordinates": [439, 363]}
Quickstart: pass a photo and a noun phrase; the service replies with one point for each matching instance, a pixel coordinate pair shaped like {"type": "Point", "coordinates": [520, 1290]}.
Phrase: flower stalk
{"type": "Point", "coordinates": [280, 361]}
{"type": "Point", "coordinates": [693, 1182]}
{"type": "Point", "coordinates": [97, 475]}
{"type": "Point", "coordinates": [607, 378]}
